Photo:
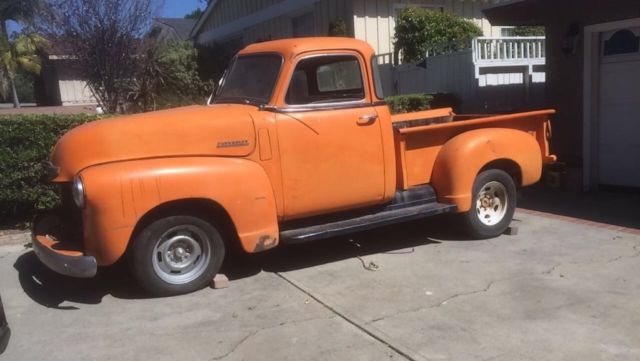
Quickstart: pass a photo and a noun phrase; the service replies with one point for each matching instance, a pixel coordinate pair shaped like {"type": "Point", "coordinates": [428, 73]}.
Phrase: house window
{"type": "Point", "coordinates": [326, 79]}
{"type": "Point", "coordinates": [507, 31]}
{"type": "Point", "coordinates": [303, 25]}
{"type": "Point", "coordinates": [622, 42]}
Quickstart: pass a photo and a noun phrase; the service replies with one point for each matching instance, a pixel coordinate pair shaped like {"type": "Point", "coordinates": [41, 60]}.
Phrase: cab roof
{"type": "Point", "coordinates": [295, 46]}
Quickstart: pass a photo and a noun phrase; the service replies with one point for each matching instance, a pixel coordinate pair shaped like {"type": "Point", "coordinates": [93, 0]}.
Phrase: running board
{"type": "Point", "coordinates": [363, 223]}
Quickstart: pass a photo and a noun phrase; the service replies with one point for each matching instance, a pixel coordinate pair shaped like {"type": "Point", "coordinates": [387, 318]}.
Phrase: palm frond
{"type": "Point", "coordinates": [30, 63]}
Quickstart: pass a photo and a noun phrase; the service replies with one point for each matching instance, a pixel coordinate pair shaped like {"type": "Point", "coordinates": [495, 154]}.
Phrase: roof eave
{"type": "Point", "coordinates": [516, 13]}
{"type": "Point", "coordinates": [202, 19]}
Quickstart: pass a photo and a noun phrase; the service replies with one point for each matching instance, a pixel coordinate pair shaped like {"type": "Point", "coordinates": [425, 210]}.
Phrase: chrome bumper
{"type": "Point", "coordinates": [59, 256]}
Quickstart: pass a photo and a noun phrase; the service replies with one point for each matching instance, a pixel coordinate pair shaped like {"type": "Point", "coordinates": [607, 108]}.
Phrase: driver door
{"type": "Point", "coordinates": [329, 138]}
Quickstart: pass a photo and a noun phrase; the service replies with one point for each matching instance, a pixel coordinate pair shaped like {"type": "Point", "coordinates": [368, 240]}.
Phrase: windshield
{"type": "Point", "coordinates": [250, 79]}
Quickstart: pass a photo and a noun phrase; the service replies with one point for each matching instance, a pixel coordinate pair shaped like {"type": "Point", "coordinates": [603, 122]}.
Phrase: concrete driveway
{"type": "Point", "coordinates": [559, 290]}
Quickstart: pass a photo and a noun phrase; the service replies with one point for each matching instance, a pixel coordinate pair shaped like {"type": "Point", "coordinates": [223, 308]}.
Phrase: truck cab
{"type": "Point", "coordinates": [297, 144]}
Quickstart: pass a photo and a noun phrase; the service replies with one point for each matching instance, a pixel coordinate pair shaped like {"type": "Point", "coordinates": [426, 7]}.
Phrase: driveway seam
{"type": "Point", "coordinates": [401, 350]}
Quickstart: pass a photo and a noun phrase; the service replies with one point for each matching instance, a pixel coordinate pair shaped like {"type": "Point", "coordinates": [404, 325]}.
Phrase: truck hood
{"type": "Point", "coordinates": [216, 130]}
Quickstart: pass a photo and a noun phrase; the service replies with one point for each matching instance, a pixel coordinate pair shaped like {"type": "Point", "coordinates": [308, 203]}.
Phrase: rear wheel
{"type": "Point", "coordinates": [493, 204]}
{"type": "Point", "coordinates": [176, 255]}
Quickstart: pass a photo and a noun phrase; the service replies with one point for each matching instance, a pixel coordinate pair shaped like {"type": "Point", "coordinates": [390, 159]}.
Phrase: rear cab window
{"type": "Point", "coordinates": [326, 79]}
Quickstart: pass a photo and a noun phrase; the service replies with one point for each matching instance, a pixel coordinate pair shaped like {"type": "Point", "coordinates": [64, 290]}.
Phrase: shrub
{"type": "Point", "coordinates": [25, 143]}
{"type": "Point", "coordinates": [445, 100]}
{"type": "Point", "coordinates": [419, 31]}
{"type": "Point", "coordinates": [416, 102]}
{"type": "Point", "coordinates": [338, 27]}
{"type": "Point", "coordinates": [168, 78]}
{"type": "Point", "coordinates": [528, 31]}
{"type": "Point", "coordinates": [409, 103]}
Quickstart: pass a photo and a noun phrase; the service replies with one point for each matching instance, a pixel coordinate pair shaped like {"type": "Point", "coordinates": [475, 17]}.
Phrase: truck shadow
{"type": "Point", "coordinates": [52, 290]}
{"type": "Point", "coordinates": [401, 238]}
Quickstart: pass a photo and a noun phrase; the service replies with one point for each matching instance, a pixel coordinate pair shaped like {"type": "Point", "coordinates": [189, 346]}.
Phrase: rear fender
{"type": "Point", "coordinates": [120, 194]}
{"type": "Point", "coordinates": [465, 155]}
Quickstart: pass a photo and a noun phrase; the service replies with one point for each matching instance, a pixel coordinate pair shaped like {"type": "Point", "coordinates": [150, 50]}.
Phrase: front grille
{"type": "Point", "coordinates": [69, 213]}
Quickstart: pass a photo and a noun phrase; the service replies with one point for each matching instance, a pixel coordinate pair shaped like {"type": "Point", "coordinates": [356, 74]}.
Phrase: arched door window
{"type": "Point", "coordinates": [622, 42]}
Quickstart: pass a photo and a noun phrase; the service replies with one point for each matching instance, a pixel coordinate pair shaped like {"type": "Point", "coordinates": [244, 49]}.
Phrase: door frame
{"type": "Point", "coordinates": [590, 103]}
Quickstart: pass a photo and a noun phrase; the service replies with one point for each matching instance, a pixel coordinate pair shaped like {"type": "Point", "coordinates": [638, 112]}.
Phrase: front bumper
{"type": "Point", "coordinates": [61, 256]}
{"type": "Point", "coordinates": [5, 335]}
{"type": "Point", "coordinates": [5, 331]}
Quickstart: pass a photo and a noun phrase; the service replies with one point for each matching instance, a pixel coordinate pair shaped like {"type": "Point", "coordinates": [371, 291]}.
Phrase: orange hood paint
{"type": "Point", "coordinates": [215, 130]}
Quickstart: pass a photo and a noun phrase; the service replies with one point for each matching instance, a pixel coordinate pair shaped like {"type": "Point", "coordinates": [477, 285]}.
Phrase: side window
{"type": "Point", "coordinates": [326, 79]}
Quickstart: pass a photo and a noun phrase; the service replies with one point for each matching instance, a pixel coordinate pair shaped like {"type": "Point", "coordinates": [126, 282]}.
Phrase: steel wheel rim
{"type": "Point", "coordinates": [491, 203]}
{"type": "Point", "coordinates": [181, 254]}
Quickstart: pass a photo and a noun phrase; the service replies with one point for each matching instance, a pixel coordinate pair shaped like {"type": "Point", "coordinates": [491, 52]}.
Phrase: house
{"type": "Point", "coordinates": [593, 80]}
{"type": "Point", "coordinates": [236, 23]}
{"type": "Point", "coordinates": [61, 82]}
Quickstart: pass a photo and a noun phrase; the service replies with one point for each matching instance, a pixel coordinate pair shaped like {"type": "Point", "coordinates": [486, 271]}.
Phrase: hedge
{"type": "Point", "coordinates": [25, 143]}
{"type": "Point", "coordinates": [417, 102]}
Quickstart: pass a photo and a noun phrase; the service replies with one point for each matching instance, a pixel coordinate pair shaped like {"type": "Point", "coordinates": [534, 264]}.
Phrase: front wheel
{"type": "Point", "coordinates": [493, 204]}
{"type": "Point", "coordinates": [176, 255]}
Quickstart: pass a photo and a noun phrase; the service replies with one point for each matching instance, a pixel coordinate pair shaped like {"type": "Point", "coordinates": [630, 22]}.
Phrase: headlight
{"type": "Point", "coordinates": [77, 191]}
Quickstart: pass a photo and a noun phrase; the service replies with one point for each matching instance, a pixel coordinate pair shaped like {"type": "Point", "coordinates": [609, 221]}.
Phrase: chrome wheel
{"type": "Point", "coordinates": [491, 203]}
{"type": "Point", "coordinates": [181, 254]}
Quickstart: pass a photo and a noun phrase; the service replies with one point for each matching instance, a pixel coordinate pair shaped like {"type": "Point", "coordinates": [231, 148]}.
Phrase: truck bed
{"type": "Point", "coordinates": [420, 135]}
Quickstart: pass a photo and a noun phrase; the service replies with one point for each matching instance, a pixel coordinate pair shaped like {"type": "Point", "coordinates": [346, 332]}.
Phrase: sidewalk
{"type": "Point", "coordinates": [14, 237]}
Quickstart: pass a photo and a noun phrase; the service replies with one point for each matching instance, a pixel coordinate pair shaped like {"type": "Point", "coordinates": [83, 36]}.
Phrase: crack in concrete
{"type": "Point", "coordinates": [443, 302]}
{"type": "Point", "coordinates": [243, 340]}
{"type": "Point", "coordinates": [485, 289]}
{"type": "Point", "coordinates": [255, 332]}
{"type": "Point", "coordinates": [635, 254]}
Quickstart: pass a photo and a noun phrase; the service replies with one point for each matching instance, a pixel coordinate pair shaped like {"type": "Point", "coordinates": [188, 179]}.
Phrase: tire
{"type": "Point", "coordinates": [492, 205]}
{"type": "Point", "coordinates": [176, 255]}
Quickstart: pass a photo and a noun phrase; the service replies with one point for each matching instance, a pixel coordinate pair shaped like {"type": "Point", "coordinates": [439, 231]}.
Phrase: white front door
{"type": "Point", "coordinates": [619, 108]}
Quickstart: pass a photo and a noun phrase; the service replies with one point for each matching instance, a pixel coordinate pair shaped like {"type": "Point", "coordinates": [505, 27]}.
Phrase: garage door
{"type": "Point", "coordinates": [619, 108]}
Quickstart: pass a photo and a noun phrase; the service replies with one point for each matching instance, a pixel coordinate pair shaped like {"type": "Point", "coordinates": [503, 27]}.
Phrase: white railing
{"type": "Point", "coordinates": [511, 50]}
{"type": "Point", "coordinates": [385, 58]}
{"type": "Point", "coordinates": [492, 53]}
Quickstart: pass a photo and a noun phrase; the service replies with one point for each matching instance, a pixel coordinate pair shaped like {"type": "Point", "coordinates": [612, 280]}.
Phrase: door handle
{"type": "Point", "coordinates": [367, 119]}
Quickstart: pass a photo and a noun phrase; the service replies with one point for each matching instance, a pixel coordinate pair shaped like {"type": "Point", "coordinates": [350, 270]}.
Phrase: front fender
{"type": "Point", "coordinates": [120, 194]}
{"type": "Point", "coordinates": [463, 157]}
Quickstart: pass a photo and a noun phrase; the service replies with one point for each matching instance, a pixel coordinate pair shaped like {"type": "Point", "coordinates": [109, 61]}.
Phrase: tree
{"type": "Point", "coordinates": [169, 78]}
{"type": "Point", "coordinates": [338, 27]}
{"type": "Point", "coordinates": [419, 31]}
{"type": "Point", "coordinates": [19, 54]}
{"type": "Point", "coordinates": [20, 11]}
{"type": "Point", "coordinates": [17, 10]}
{"type": "Point", "coordinates": [104, 37]}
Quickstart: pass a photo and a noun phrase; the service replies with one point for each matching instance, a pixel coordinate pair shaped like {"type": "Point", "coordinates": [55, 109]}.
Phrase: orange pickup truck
{"type": "Point", "coordinates": [297, 144]}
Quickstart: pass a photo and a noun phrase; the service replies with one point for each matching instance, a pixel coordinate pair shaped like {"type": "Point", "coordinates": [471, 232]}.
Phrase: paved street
{"type": "Point", "coordinates": [559, 290]}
